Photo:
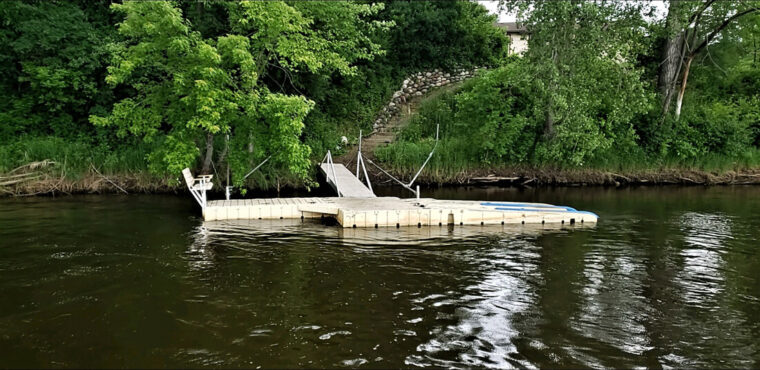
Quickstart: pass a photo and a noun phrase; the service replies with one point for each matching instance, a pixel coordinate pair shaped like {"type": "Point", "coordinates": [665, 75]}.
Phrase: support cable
{"type": "Point", "coordinates": [256, 168]}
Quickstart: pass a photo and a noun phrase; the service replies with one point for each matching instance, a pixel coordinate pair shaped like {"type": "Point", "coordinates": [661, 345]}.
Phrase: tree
{"type": "Point", "coordinates": [585, 85]}
{"type": "Point", "coordinates": [432, 34]}
{"type": "Point", "coordinates": [188, 89]}
{"type": "Point", "coordinates": [51, 69]}
{"type": "Point", "coordinates": [690, 28]}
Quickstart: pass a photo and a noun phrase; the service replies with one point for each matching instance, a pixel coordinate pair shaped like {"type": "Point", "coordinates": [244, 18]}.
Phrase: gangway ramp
{"type": "Point", "coordinates": [344, 182]}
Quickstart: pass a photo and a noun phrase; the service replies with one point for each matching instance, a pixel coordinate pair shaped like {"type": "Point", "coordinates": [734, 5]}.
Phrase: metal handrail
{"type": "Point", "coordinates": [330, 164]}
{"type": "Point", "coordinates": [360, 164]}
{"type": "Point", "coordinates": [437, 128]}
{"type": "Point", "coordinates": [366, 177]}
{"type": "Point", "coordinates": [393, 178]}
{"type": "Point", "coordinates": [256, 168]}
{"type": "Point", "coordinates": [409, 185]}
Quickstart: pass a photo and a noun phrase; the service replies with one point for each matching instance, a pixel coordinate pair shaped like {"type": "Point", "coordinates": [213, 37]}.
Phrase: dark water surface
{"type": "Point", "coordinates": [669, 277]}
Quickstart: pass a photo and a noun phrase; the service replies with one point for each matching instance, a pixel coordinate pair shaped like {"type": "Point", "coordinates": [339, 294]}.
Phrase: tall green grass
{"type": "Point", "coordinates": [75, 158]}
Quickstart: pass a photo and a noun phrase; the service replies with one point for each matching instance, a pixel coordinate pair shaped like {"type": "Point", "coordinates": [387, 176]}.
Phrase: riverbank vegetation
{"type": "Point", "coordinates": [153, 87]}
{"type": "Point", "coordinates": [577, 106]}
{"type": "Point", "coordinates": [126, 95]}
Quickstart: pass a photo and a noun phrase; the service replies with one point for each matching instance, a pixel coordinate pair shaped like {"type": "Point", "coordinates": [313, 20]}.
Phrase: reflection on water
{"type": "Point", "coordinates": [668, 278]}
{"type": "Point", "coordinates": [329, 230]}
{"type": "Point", "coordinates": [702, 277]}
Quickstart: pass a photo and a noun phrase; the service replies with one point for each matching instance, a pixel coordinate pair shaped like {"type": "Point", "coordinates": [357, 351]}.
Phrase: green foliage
{"type": "Point", "coordinates": [721, 114]}
{"type": "Point", "coordinates": [74, 158]}
{"type": "Point", "coordinates": [422, 35]}
{"type": "Point", "coordinates": [483, 124]}
{"type": "Point", "coordinates": [587, 88]}
{"type": "Point", "coordinates": [432, 34]}
{"type": "Point", "coordinates": [495, 114]}
{"type": "Point", "coordinates": [281, 79]}
{"type": "Point", "coordinates": [159, 86]}
{"type": "Point", "coordinates": [188, 88]}
{"type": "Point", "coordinates": [52, 73]}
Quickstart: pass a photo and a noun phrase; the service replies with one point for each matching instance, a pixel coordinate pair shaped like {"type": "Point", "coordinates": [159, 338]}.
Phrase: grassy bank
{"type": "Point", "coordinates": [450, 166]}
{"type": "Point", "coordinates": [37, 166]}
{"type": "Point", "coordinates": [51, 165]}
{"type": "Point", "coordinates": [48, 165]}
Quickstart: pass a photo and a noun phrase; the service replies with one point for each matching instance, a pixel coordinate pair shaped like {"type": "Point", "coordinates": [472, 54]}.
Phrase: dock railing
{"type": "Point", "coordinates": [328, 159]}
{"type": "Point", "coordinates": [408, 186]}
{"type": "Point", "coordinates": [198, 186]}
{"type": "Point", "coordinates": [360, 163]}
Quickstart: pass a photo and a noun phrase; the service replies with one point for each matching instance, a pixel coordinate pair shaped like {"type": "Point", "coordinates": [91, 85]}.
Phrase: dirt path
{"type": "Point", "coordinates": [387, 134]}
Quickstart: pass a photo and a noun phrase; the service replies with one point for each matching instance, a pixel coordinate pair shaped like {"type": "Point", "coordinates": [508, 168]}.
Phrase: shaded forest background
{"type": "Point", "coordinates": [148, 88]}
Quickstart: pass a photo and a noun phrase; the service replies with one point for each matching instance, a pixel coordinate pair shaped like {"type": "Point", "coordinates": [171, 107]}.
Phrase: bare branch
{"type": "Point", "coordinates": [723, 25]}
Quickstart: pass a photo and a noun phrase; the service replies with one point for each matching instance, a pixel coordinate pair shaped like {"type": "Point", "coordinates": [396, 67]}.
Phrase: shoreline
{"type": "Point", "coordinates": [596, 177]}
{"type": "Point", "coordinates": [93, 183]}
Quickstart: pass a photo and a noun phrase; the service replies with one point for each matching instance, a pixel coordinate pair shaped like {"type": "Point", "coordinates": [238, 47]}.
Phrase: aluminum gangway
{"type": "Point", "coordinates": [345, 183]}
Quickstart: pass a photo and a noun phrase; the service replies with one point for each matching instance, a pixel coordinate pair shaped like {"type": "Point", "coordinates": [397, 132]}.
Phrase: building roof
{"type": "Point", "coordinates": [511, 27]}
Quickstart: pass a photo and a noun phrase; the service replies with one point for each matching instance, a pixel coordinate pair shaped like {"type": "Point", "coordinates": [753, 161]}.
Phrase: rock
{"type": "Point", "coordinates": [418, 93]}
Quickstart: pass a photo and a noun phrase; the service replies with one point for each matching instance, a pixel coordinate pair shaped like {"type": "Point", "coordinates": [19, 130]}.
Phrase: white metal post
{"type": "Point", "coordinates": [203, 197]}
{"type": "Point", "coordinates": [332, 168]}
{"type": "Point", "coordinates": [359, 154]}
{"type": "Point", "coordinates": [366, 177]}
{"type": "Point", "coordinates": [418, 192]}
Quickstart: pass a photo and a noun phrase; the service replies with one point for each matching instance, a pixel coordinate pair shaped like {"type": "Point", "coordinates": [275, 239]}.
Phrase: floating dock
{"type": "Point", "coordinates": [395, 212]}
{"type": "Point", "coordinates": [356, 206]}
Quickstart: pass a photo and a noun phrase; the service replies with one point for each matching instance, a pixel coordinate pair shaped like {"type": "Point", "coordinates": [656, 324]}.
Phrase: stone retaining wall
{"type": "Point", "coordinates": [417, 85]}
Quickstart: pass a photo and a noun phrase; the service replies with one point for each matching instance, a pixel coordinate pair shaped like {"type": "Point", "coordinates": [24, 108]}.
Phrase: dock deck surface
{"type": "Point", "coordinates": [396, 212]}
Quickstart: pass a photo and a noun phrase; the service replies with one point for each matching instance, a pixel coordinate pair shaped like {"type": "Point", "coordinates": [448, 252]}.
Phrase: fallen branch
{"type": "Point", "coordinates": [107, 179]}
{"type": "Point", "coordinates": [3, 178]}
{"type": "Point", "coordinates": [33, 165]}
{"type": "Point", "coordinates": [17, 181]}
{"type": "Point", "coordinates": [619, 176]}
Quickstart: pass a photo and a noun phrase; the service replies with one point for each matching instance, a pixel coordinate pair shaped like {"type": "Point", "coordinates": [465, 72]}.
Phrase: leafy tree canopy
{"type": "Point", "coordinates": [585, 84]}
{"type": "Point", "coordinates": [187, 88]}
{"type": "Point", "coordinates": [52, 73]}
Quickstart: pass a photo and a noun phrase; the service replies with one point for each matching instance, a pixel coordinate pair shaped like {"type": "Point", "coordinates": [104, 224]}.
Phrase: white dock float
{"type": "Point", "coordinates": [368, 212]}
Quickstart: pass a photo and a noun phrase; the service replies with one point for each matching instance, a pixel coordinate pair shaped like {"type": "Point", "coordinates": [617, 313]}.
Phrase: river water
{"type": "Point", "coordinates": [669, 277]}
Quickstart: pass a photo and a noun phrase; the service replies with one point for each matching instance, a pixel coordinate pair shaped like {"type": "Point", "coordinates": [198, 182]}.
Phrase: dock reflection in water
{"type": "Point", "coordinates": [668, 278]}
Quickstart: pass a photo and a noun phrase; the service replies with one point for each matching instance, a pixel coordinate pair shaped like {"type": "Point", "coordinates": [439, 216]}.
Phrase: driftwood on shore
{"type": "Point", "coordinates": [46, 177]}
{"type": "Point", "coordinates": [591, 177]}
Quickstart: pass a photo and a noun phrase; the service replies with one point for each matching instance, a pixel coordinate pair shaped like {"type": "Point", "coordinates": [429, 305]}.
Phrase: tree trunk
{"type": "Point", "coordinates": [681, 92]}
{"type": "Point", "coordinates": [671, 57]}
{"type": "Point", "coordinates": [209, 154]}
{"type": "Point", "coordinates": [549, 124]}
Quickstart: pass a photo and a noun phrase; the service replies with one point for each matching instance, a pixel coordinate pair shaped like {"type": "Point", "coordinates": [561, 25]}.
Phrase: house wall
{"type": "Point", "coordinates": [518, 43]}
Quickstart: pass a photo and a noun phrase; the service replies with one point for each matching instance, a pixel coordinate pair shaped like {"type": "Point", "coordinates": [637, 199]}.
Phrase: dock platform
{"type": "Point", "coordinates": [369, 212]}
